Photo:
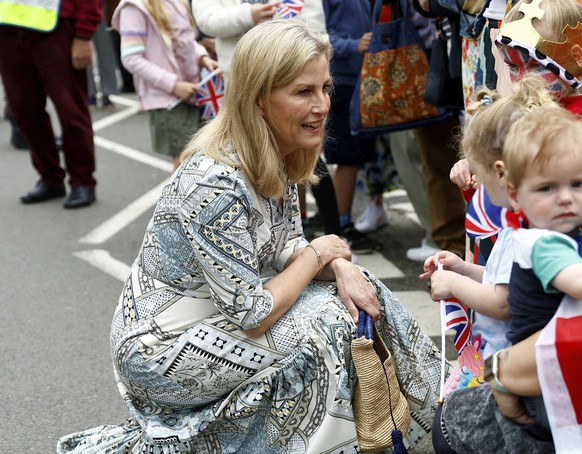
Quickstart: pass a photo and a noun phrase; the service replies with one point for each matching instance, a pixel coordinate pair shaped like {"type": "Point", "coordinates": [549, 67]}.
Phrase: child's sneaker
{"type": "Point", "coordinates": [359, 242]}
{"type": "Point", "coordinates": [372, 218]}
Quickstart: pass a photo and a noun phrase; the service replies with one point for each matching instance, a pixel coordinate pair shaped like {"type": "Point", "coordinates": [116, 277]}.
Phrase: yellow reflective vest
{"type": "Point", "coordinates": [41, 15]}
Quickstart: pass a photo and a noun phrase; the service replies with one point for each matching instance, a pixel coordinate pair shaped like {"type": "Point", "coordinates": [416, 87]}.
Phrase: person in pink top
{"type": "Point", "coordinates": [158, 46]}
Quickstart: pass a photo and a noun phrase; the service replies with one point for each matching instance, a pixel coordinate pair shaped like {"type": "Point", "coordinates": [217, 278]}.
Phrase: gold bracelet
{"type": "Point", "coordinates": [319, 260]}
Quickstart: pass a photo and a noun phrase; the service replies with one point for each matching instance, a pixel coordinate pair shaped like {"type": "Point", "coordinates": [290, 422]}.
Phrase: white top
{"type": "Point", "coordinates": [228, 20]}
{"type": "Point", "coordinates": [495, 10]}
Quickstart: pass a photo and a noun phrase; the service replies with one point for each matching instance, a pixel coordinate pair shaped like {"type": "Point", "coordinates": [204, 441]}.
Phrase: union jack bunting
{"type": "Point", "coordinates": [457, 319]}
{"type": "Point", "coordinates": [484, 219]}
{"type": "Point", "coordinates": [290, 8]}
{"type": "Point", "coordinates": [210, 96]}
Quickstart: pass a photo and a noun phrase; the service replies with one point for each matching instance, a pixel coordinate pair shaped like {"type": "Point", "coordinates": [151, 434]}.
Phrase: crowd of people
{"type": "Point", "coordinates": [232, 331]}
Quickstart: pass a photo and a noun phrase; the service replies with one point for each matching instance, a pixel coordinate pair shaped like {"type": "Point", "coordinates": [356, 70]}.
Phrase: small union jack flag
{"type": "Point", "coordinates": [484, 219]}
{"type": "Point", "coordinates": [210, 96]}
{"type": "Point", "coordinates": [290, 8]}
{"type": "Point", "coordinates": [457, 319]}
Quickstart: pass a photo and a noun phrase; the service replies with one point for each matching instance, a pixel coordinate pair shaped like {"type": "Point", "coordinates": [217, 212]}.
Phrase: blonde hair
{"type": "Point", "coordinates": [156, 9]}
{"type": "Point", "coordinates": [269, 56]}
{"type": "Point", "coordinates": [538, 137]}
{"type": "Point", "coordinates": [486, 132]}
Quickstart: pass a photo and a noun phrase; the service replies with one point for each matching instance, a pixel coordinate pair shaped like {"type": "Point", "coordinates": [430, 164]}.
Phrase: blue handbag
{"type": "Point", "coordinates": [389, 92]}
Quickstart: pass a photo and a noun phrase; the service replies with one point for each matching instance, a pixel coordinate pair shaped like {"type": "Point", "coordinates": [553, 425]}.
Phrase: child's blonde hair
{"type": "Point", "coordinates": [538, 137]}
{"type": "Point", "coordinates": [493, 116]}
{"type": "Point", "coordinates": [158, 12]}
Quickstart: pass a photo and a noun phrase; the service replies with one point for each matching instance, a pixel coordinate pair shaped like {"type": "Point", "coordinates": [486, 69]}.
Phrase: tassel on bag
{"type": "Point", "coordinates": [381, 411]}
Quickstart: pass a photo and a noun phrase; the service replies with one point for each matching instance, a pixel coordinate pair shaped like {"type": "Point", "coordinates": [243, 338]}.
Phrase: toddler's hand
{"type": "Point", "coordinates": [441, 285]}
{"type": "Point", "coordinates": [461, 175]}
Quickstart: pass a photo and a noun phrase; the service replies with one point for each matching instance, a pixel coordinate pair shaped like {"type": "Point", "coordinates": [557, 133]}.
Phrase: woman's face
{"type": "Point", "coordinates": [298, 110]}
{"type": "Point", "coordinates": [521, 64]}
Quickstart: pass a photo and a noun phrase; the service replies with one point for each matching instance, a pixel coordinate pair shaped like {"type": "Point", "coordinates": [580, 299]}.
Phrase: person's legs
{"type": "Point", "coordinates": [67, 88]}
{"type": "Point", "coordinates": [446, 204]}
{"type": "Point", "coordinates": [348, 152]}
{"type": "Point", "coordinates": [325, 198]}
{"type": "Point", "coordinates": [27, 99]}
{"type": "Point", "coordinates": [406, 156]}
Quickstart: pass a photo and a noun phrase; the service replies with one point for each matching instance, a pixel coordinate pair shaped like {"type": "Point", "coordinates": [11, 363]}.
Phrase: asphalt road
{"type": "Point", "coordinates": [61, 273]}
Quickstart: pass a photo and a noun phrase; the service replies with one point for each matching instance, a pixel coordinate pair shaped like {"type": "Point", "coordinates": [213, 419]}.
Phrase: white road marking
{"type": "Point", "coordinates": [115, 118]}
{"type": "Point", "coordinates": [102, 260]}
{"type": "Point", "coordinates": [123, 218]}
{"type": "Point", "coordinates": [134, 154]}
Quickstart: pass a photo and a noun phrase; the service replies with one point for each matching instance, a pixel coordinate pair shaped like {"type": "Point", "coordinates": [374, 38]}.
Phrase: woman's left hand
{"type": "Point", "coordinates": [355, 291]}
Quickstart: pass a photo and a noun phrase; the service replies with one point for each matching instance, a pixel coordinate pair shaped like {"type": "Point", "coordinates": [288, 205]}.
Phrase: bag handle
{"type": "Point", "coordinates": [365, 325]}
{"type": "Point", "coordinates": [377, 10]}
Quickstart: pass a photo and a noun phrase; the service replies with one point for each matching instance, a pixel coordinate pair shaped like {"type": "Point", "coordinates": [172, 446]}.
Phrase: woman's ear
{"type": "Point", "coordinates": [260, 105]}
{"type": "Point", "coordinates": [512, 196]}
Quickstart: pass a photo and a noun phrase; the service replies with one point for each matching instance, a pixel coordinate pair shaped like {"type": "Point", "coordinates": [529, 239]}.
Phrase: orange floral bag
{"type": "Point", "coordinates": [389, 94]}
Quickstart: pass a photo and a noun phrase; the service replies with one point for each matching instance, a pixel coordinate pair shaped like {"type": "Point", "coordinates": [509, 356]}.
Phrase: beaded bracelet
{"type": "Point", "coordinates": [319, 260]}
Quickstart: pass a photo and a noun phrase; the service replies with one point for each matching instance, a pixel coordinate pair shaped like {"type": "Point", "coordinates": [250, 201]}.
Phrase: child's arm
{"type": "Point", "coordinates": [558, 265]}
{"type": "Point", "coordinates": [487, 299]}
{"type": "Point", "coordinates": [133, 26]}
{"type": "Point", "coordinates": [569, 281]}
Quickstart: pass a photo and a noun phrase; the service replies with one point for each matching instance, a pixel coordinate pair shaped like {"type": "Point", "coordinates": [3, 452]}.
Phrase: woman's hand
{"type": "Point", "coordinates": [355, 291]}
{"type": "Point", "coordinates": [511, 406]}
{"type": "Point", "coordinates": [331, 247]}
{"type": "Point", "coordinates": [185, 90]}
{"type": "Point", "coordinates": [261, 12]}
{"type": "Point", "coordinates": [447, 259]}
{"type": "Point", "coordinates": [461, 175]}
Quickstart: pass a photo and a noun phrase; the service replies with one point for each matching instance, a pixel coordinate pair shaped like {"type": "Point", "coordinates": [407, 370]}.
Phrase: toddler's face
{"type": "Point", "coordinates": [550, 195]}
{"type": "Point", "coordinates": [521, 64]}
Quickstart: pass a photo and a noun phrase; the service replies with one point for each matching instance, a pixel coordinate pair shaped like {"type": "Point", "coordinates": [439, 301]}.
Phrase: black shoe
{"type": "Point", "coordinates": [43, 190]}
{"type": "Point", "coordinates": [80, 196]}
{"type": "Point", "coordinates": [359, 242]}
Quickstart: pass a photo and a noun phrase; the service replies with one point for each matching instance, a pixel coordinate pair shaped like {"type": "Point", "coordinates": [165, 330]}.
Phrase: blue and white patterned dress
{"type": "Point", "coordinates": [191, 378]}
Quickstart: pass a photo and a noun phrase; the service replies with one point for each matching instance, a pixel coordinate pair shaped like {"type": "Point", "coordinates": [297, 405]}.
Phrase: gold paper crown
{"type": "Point", "coordinates": [522, 33]}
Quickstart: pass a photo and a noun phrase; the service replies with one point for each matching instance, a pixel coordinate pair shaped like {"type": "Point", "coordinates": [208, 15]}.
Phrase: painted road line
{"type": "Point", "coordinates": [134, 154]}
{"type": "Point", "coordinates": [123, 218]}
{"type": "Point", "coordinates": [115, 118]}
{"type": "Point", "coordinates": [103, 261]}
{"type": "Point", "coordinates": [125, 101]}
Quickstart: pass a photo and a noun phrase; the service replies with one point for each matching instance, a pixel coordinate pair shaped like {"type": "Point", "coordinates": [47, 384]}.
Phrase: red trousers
{"type": "Point", "coordinates": [34, 66]}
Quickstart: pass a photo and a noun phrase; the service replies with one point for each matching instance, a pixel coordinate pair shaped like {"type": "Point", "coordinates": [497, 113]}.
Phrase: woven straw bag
{"type": "Point", "coordinates": [381, 411]}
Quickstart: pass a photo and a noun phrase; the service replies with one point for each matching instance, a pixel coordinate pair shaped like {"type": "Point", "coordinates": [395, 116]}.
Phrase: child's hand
{"type": "Point", "coordinates": [447, 259]}
{"type": "Point", "coordinates": [261, 12]}
{"type": "Point", "coordinates": [441, 285]}
{"type": "Point", "coordinates": [461, 175]}
{"type": "Point", "coordinates": [184, 90]}
{"type": "Point", "coordinates": [208, 63]}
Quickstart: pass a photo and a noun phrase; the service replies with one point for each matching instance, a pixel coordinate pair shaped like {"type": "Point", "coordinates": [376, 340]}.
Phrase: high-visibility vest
{"type": "Point", "coordinates": [41, 15]}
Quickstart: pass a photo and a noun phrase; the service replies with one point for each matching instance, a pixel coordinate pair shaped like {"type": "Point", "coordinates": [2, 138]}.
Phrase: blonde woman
{"type": "Point", "coordinates": [233, 332]}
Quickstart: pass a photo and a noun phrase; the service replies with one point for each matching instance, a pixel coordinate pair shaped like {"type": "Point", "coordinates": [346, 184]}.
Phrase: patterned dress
{"type": "Point", "coordinates": [193, 381]}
